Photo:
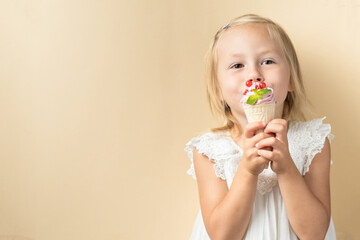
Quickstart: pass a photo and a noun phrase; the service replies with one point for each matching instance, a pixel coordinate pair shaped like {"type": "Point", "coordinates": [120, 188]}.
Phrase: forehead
{"type": "Point", "coordinates": [246, 37]}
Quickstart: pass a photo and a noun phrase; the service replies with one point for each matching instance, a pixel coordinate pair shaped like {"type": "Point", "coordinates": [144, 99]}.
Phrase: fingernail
{"type": "Point", "coordinates": [256, 145]}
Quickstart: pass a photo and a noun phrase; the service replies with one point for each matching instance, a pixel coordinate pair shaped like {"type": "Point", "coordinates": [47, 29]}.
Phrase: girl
{"type": "Point", "coordinates": [239, 197]}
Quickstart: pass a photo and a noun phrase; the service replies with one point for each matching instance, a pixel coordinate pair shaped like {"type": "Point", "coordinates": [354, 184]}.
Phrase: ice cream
{"type": "Point", "coordinates": [258, 102]}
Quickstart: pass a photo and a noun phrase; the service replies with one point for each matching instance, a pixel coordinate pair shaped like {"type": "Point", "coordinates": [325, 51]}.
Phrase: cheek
{"type": "Point", "coordinates": [280, 95]}
{"type": "Point", "coordinates": [230, 90]}
{"type": "Point", "coordinates": [229, 85]}
{"type": "Point", "coordinates": [282, 87]}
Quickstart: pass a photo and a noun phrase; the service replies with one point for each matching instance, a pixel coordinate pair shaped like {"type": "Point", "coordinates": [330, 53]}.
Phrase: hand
{"type": "Point", "coordinates": [280, 157]}
{"type": "Point", "coordinates": [251, 161]}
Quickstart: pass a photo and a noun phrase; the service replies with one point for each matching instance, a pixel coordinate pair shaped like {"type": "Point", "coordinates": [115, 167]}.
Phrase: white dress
{"type": "Point", "coordinates": [269, 220]}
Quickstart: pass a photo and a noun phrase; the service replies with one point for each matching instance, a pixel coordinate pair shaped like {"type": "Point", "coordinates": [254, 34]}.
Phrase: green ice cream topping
{"type": "Point", "coordinates": [257, 95]}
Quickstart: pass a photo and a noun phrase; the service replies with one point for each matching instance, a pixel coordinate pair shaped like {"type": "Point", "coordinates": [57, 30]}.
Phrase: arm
{"type": "Point", "coordinates": [307, 199]}
{"type": "Point", "coordinates": [226, 212]}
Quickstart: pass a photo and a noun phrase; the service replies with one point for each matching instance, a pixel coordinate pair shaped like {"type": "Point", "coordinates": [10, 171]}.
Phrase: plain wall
{"type": "Point", "coordinates": [99, 98]}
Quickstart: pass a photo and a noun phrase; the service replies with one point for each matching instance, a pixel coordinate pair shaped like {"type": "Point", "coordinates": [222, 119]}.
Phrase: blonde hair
{"type": "Point", "coordinates": [294, 107]}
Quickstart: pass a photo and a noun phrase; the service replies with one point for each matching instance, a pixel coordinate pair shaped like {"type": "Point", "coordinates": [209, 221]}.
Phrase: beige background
{"type": "Point", "coordinates": [98, 99]}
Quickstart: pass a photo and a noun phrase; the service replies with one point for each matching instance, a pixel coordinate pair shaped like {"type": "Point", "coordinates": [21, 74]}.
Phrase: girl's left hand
{"type": "Point", "coordinates": [280, 157]}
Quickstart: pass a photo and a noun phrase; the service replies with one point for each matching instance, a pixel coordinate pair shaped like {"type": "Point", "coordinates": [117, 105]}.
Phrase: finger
{"type": "Point", "coordinates": [252, 127]}
{"type": "Point", "coordinates": [279, 128]}
{"type": "Point", "coordinates": [267, 142]}
{"type": "Point", "coordinates": [274, 128]}
{"type": "Point", "coordinates": [260, 136]}
{"type": "Point", "coordinates": [267, 148]}
{"type": "Point", "coordinates": [270, 155]}
{"type": "Point", "coordinates": [279, 120]}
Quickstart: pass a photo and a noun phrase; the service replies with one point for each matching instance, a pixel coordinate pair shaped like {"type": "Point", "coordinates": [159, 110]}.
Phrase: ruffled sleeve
{"type": "Point", "coordinates": [216, 147]}
{"type": "Point", "coordinates": [314, 139]}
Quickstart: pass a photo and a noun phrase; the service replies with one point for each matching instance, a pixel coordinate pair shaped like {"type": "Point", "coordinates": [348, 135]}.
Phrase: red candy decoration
{"type": "Point", "coordinates": [248, 83]}
{"type": "Point", "coordinates": [257, 87]}
{"type": "Point", "coordinates": [262, 85]}
{"type": "Point", "coordinates": [246, 92]}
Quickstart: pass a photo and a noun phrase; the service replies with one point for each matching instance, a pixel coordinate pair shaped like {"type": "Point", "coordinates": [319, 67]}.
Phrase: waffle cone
{"type": "Point", "coordinates": [262, 112]}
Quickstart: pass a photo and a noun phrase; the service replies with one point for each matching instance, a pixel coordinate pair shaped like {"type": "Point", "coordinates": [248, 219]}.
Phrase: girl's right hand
{"type": "Point", "coordinates": [251, 161]}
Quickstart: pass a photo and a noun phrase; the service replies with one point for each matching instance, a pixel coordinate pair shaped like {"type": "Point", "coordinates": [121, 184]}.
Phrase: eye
{"type": "Point", "coordinates": [267, 61]}
{"type": "Point", "coordinates": [238, 65]}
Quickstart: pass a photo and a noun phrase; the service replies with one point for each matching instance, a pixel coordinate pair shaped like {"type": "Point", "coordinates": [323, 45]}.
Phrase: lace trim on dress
{"type": "Point", "coordinates": [216, 146]}
{"type": "Point", "coordinates": [320, 132]}
{"type": "Point", "coordinates": [308, 139]}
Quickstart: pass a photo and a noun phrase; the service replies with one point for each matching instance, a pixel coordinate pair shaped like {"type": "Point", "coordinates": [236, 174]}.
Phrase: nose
{"type": "Point", "coordinates": [255, 75]}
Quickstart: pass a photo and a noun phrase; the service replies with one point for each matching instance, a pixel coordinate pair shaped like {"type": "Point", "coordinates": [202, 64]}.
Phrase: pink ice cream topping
{"type": "Point", "coordinates": [266, 98]}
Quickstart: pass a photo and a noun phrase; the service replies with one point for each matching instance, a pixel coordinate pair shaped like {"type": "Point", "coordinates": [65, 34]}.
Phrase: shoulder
{"type": "Point", "coordinates": [218, 147]}
{"type": "Point", "coordinates": [307, 139]}
{"type": "Point", "coordinates": [310, 131]}
{"type": "Point", "coordinates": [213, 144]}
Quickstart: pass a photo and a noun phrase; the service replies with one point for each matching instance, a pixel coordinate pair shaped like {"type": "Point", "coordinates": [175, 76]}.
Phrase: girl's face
{"type": "Point", "coordinates": [247, 52]}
